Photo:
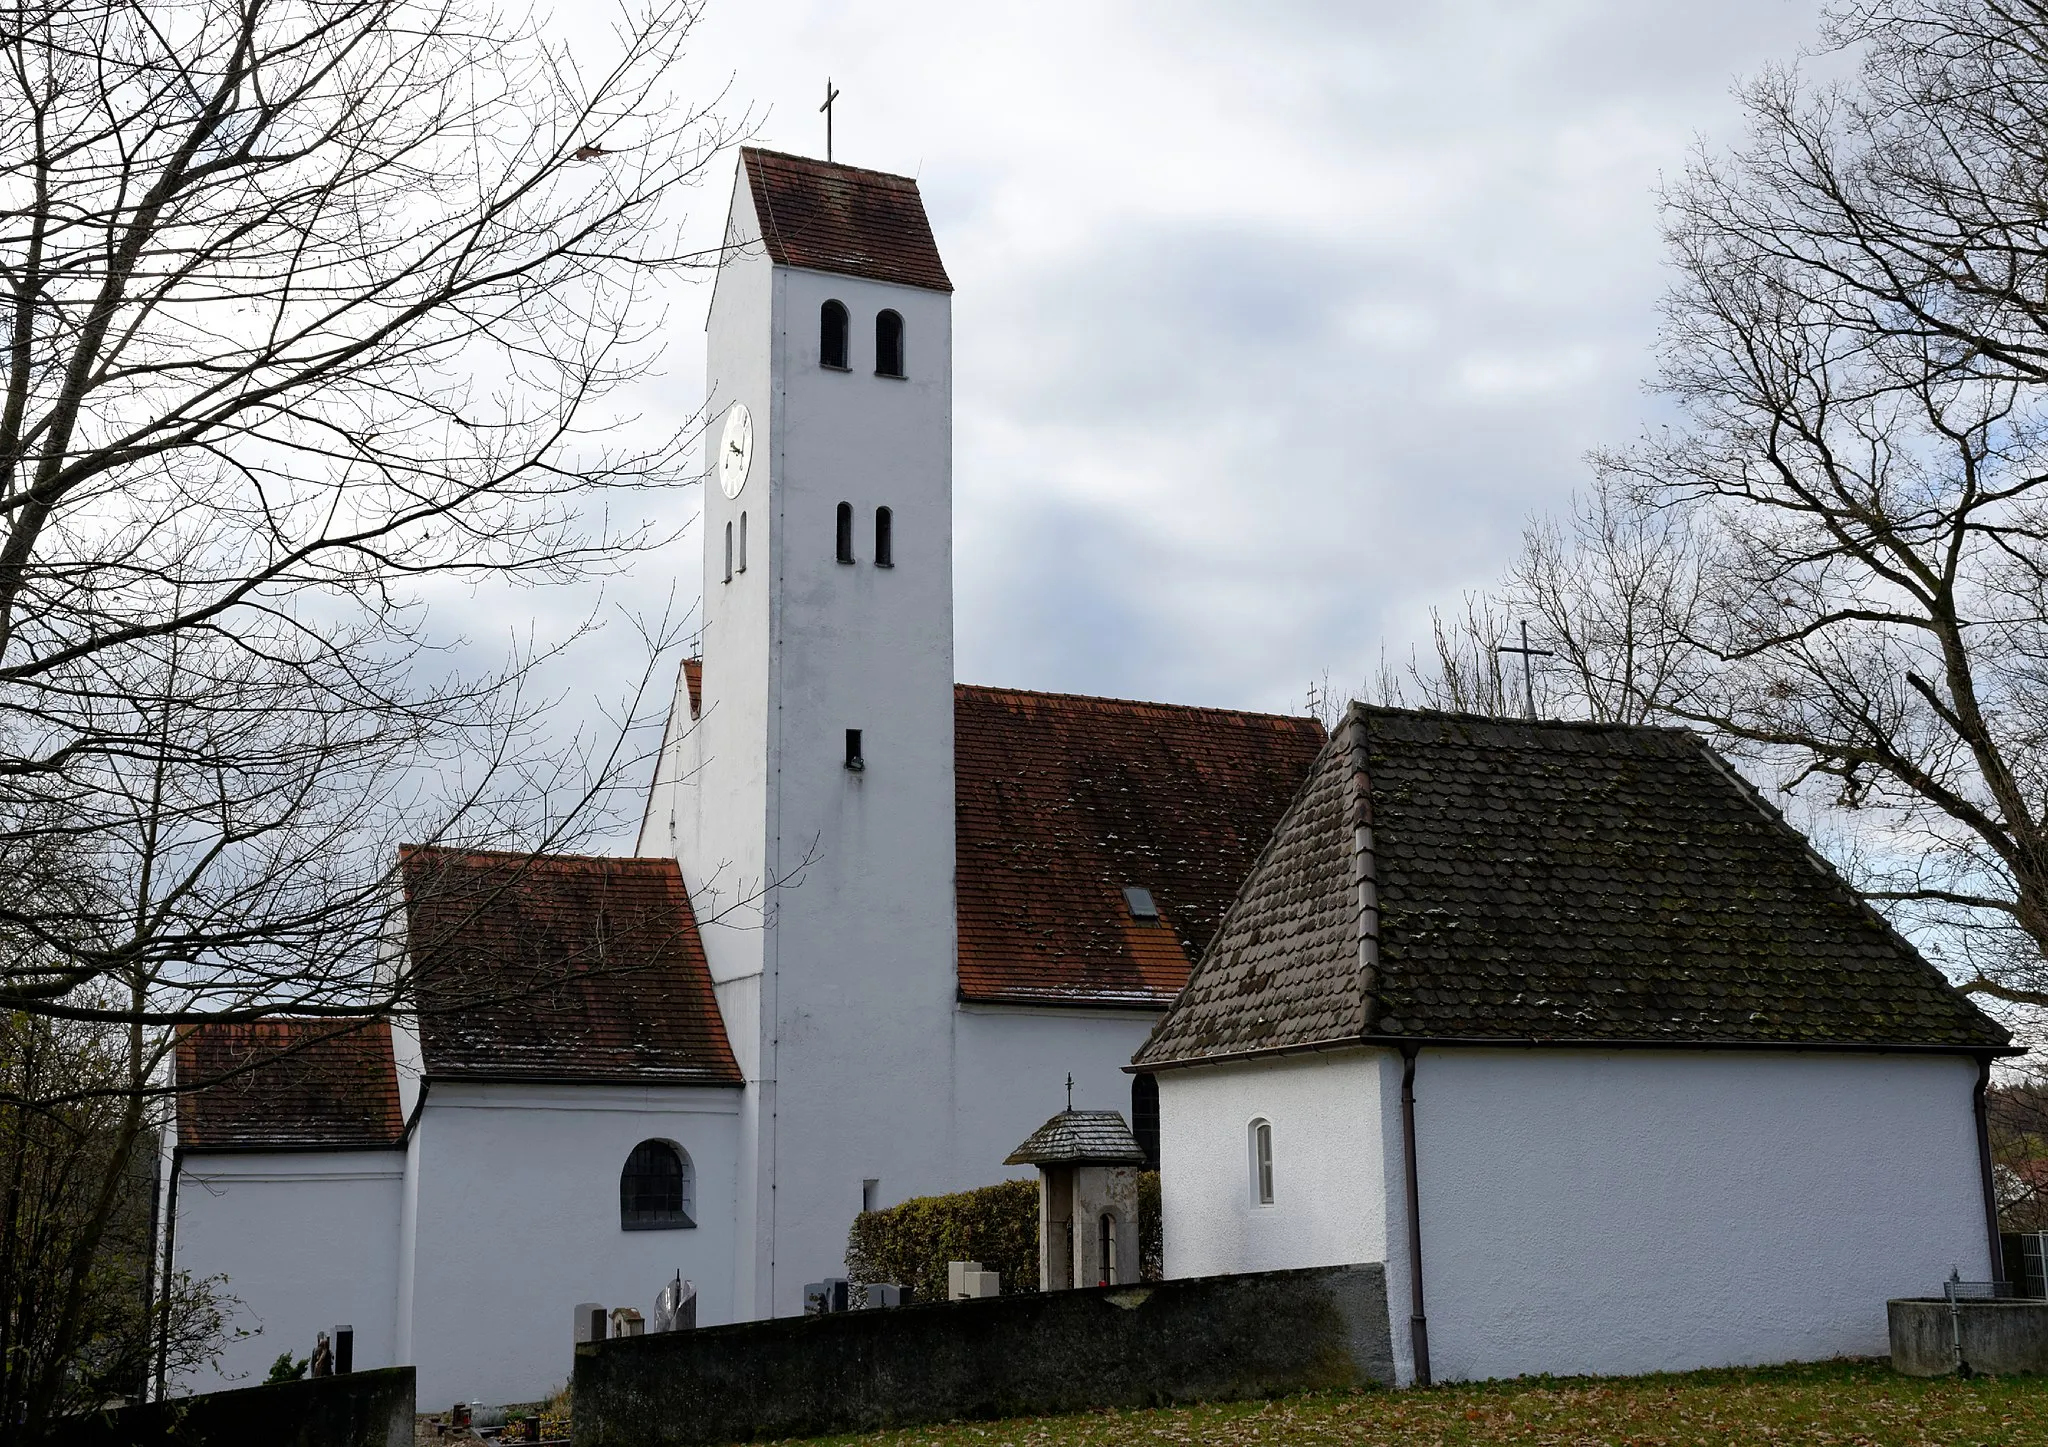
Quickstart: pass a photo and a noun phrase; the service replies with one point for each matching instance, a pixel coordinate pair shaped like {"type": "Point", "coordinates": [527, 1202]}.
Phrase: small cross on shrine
{"type": "Point", "coordinates": [831, 95]}
{"type": "Point", "coordinates": [1528, 675]}
{"type": "Point", "coordinates": [1070, 1090]}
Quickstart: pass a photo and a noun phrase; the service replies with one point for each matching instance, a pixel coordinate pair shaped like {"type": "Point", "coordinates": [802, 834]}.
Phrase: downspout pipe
{"type": "Point", "coordinates": [1418, 1317]}
{"type": "Point", "coordinates": [1983, 1116]}
{"type": "Point", "coordinates": [163, 1340]}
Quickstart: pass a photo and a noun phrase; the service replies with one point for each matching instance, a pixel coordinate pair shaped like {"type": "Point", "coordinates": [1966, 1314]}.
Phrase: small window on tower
{"type": "Point", "coordinates": [743, 544]}
{"type": "Point", "coordinates": [728, 552]}
{"type": "Point", "coordinates": [885, 538]}
{"type": "Point", "coordinates": [854, 761]}
{"type": "Point", "coordinates": [845, 539]}
{"type": "Point", "coordinates": [888, 345]}
{"type": "Point", "coordinates": [832, 331]}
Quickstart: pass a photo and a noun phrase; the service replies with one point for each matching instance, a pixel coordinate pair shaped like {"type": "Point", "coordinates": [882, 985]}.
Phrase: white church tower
{"type": "Point", "coordinates": [807, 792]}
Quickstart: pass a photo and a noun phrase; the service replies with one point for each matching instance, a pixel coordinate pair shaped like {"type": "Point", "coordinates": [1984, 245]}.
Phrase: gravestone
{"type": "Point", "coordinates": [824, 1297]}
{"type": "Point", "coordinates": [676, 1308]}
{"type": "Point", "coordinates": [590, 1319]}
{"type": "Point", "coordinates": [966, 1280]}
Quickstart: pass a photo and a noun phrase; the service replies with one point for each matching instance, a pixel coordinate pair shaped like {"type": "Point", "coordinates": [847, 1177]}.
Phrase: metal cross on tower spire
{"type": "Point", "coordinates": [1528, 674]}
{"type": "Point", "coordinates": [831, 95]}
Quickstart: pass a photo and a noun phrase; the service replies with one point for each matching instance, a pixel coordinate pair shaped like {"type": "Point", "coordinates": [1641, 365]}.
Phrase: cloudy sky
{"type": "Point", "coordinates": [1274, 322]}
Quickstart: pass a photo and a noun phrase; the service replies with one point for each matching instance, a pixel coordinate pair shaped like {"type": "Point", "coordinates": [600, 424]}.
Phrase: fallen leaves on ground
{"type": "Point", "coordinates": [1833, 1404]}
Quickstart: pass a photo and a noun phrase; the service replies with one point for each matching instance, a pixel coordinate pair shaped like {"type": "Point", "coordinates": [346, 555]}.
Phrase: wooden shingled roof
{"type": "Point", "coordinates": [841, 219]}
{"type": "Point", "coordinates": [1062, 802]}
{"type": "Point", "coordinates": [561, 967]}
{"type": "Point", "coordinates": [287, 1083]}
{"type": "Point", "coordinates": [1548, 882]}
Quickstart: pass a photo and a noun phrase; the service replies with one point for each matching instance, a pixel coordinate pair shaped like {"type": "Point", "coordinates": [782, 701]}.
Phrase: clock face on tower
{"type": "Point", "coordinates": [735, 449]}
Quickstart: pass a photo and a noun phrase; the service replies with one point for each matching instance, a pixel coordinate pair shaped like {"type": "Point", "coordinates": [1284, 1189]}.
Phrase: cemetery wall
{"type": "Point", "coordinates": [309, 1240]}
{"type": "Point", "coordinates": [361, 1409]}
{"type": "Point", "coordinates": [1213, 1339]}
{"type": "Point", "coordinates": [1652, 1210]}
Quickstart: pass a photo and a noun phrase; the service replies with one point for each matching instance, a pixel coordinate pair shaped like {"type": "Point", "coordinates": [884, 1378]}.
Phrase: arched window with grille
{"type": "Point", "coordinates": [888, 344]}
{"type": "Point", "coordinates": [1262, 1162]}
{"type": "Point", "coordinates": [832, 332]}
{"type": "Point", "coordinates": [843, 542]}
{"type": "Point", "coordinates": [1145, 1117]}
{"type": "Point", "coordinates": [657, 1189]}
{"type": "Point", "coordinates": [885, 538]}
{"type": "Point", "coordinates": [1105, 1241]}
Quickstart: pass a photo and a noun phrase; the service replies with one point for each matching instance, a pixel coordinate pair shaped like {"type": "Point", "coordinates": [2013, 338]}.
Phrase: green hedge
{"type": "Point", "coordinates": [910, 1244]}
{"type": "Point", "coordinates": [997, 1225]}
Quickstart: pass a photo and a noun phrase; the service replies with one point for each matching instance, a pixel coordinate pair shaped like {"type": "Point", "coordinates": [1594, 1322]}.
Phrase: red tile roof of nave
{"type": "Point", "coordinates": [693, 679]}
{"type": "Point", "coordinates": [842, 219]}
{"type": "Point", "coordinates": [560, 967]}
{"type": "Point", "coordinates": [287, 1082]}
{"type": "Point", "coordinates": [1062, 801]}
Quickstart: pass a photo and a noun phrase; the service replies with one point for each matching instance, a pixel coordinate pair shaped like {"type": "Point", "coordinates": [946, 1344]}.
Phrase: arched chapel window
{"type": "Point", "coordinates": [1105, 1240]}
{"type": "Point", "coordinates": [1145, 1117]}
{"type": "Point", "coordinates": [888, 344]}
{"type": "Point", "coordinates": [657, 1189]}
{"type": "Point", "coordinates": [885, 538]}
{"type": "Point", "coordinates": [728, 552]}
{"type": "Point", "coordinates": [743, 544]}
{"type": "Point", "coordinates": [1262, 1162]}
{"type": "Point", "coordinates": [832, 332]}
{"type": "Point", "coordinates": [844, 542]}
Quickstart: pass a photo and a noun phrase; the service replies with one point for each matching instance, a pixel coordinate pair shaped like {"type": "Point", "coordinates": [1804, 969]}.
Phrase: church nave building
{"type": "Point", "coordinates": [874, 920]}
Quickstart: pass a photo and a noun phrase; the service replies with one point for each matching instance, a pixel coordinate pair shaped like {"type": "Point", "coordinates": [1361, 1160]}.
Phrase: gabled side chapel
{"type": "Point", "coordinates": [876, 920]}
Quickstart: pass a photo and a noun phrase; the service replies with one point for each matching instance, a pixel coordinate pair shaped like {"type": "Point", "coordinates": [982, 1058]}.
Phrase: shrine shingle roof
{"type": "Point", "coordinates": [1549, 882]}
{"type": "Point", "coordinates": [826, 217]}
{"type": "Point", "coordinates": [1093, 1136]}
{"type": "Point", "coordinates": [287, 1082]}
{"type": "Point", "coordinates": [1062, 802]}
{"type": "Point", "coordinates": [561, 967]}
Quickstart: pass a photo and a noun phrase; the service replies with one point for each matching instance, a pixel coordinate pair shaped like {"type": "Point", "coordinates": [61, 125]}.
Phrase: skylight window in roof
{"type": "Point", "coordinates": [1140, 900]}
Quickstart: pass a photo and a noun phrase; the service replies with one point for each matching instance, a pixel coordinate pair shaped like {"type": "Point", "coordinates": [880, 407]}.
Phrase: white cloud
{"type": "Point", "coordinates": [1273, 322]}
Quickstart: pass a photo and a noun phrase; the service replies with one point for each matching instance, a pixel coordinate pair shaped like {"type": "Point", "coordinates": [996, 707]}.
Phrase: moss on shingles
{"type": "Point", "coordinates": [1839, 1404]}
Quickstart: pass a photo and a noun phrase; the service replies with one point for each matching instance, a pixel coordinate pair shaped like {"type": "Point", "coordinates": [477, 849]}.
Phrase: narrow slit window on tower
{"type": "Point", "coordinates": [854, 761]}
{"type": "Point", "coordinates": [832, 330]}
{"type": "Point", "coordinates": [1262, 1162]}
{"type": "Point", "coordinates": [888, 344]}
{"type": "Point", "coordinates": [885, 538]}
{"type": "Point", "coordinates": [743, 544]}
{"type": "Point", "coordinates": [728, 552]}
{"type": "Point", "coordinates": [845, 539]}
{"type": "Point", "coordinates": [1105, 1245]}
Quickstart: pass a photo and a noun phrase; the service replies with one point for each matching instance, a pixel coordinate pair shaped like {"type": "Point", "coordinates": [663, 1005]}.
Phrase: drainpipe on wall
{"type": "Point", "coordinates": [163, 1342]}
{"type": "Point", "coordinates": [1418, 1319]}
{"type": "Point", "coordinates": [1978, 1109]}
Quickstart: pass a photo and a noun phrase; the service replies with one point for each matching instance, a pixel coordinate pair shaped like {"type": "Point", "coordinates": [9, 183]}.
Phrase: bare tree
{"type": "Point", "coordinates": [312, 307]}
{"type": "Point", "coordinates": [1837, 562]}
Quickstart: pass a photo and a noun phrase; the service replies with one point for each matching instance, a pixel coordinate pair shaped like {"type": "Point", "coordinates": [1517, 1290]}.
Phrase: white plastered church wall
{"type": "Point", "coordinates": [1329, 1203]}
{"type": "Point", "coordinates": [518, 1221]}
{"type": "Point", "coordinates": [1585, 1211]}
{"type": "Point", "coordinates": [1013, 1062]}
{"type": "Point", "coordinates": [307, 1241]}
{"type": "Point", "coordinates": [1652, 1210]}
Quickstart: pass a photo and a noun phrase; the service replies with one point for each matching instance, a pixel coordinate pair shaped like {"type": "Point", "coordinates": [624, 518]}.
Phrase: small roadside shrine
{"type": "Point", "coordinates": [1088, 1163]}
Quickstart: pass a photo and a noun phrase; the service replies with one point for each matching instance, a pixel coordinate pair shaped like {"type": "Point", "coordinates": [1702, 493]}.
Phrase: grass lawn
{"type": "Point", "coordinates": [1855, 1404]}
